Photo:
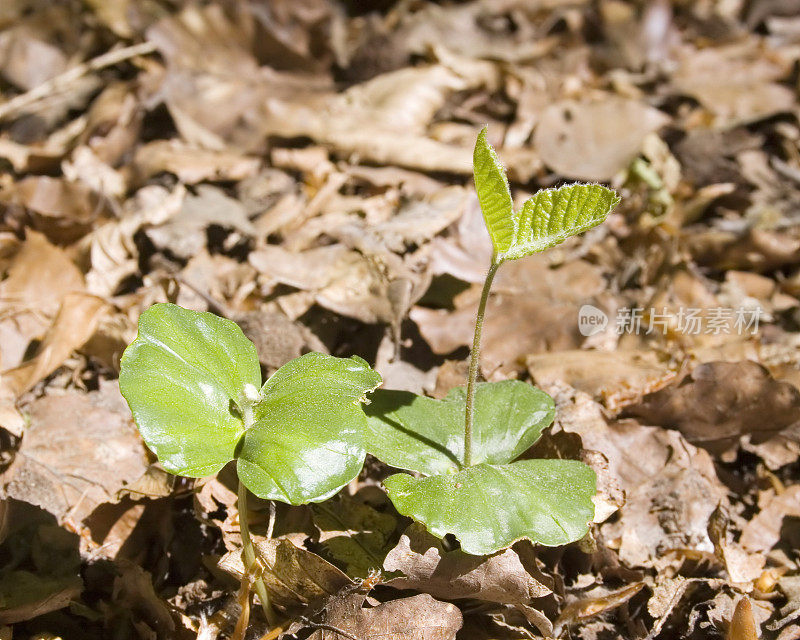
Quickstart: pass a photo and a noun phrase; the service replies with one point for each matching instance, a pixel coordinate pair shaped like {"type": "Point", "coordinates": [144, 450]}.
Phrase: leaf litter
{"type": "Point", "coordinates": [303, 169]}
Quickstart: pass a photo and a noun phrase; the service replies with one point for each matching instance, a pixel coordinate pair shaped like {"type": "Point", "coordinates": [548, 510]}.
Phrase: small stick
{"type": "Point", "coordinates": [61, 81]}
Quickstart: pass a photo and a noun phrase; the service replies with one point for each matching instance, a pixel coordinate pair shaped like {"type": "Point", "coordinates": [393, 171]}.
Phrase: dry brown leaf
{"type": "Point", "coordinates": [451, 575]}
{"type": "Point", "coordinates": [295, 578]}
{"type": "Point", "coordinates": [415, 618]}
{"type": "Point", "coordinates": [763, 531]}
{"type": "Point", "coordinates": [39, 277]}
{"type": "Point", "coordinates": [75, 323]}
{"type": "Point", "coordinates": [193, 164]}
{"type": "Point", "coordinates": [616, 378]}
{"type": "Point", "coordinates": [671, 487]}
{"type": "Point", "coordinates": [721, 402]}
{"type": "Point", "coordinates": [736, 82]}
{"type": "Point", "coordinates": [534, 304]}
{"type": "Point", "coordinates": [595, 604]}
{"type": "Point", "coordinates": [594, 140]}
{"type": "Point", "coordinates": [62, 210]}
{"type": "Point", "coordinates": [79, 450]}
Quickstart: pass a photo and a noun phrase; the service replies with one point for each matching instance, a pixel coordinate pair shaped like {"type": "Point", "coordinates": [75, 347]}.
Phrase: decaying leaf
{"type": "Point", "coordinates": [594, 140]}
{"type": "Point", "coordinates": [721, 402]}
{"type": "Point", "coordinates": [79, 450]}
{"type": "Point", "coordinates": [415, 618]}
{"type": "Point", "coordinates": [295, 578]}
{"type": "Point", "coordinates": [354, 534]}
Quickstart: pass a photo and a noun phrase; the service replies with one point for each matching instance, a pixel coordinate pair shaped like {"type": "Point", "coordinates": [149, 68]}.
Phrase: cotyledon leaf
{"type": "Point", "coordinates": [180, 377]}
{"type": "Point", "coordinates": [494, 195]}
{"type": "Point", "coordinates": [426, 435]}
{"type": "Point", "coordinates": [192, 382]}
{"type": "Point", "coordinates": [489, 507]}
{"type": "Point", "coordinates": [307, 437]}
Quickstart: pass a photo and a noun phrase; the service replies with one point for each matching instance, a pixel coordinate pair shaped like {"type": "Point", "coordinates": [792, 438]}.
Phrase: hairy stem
{"type": "Point", "coordinates": [249, 558]}
{"type": "Point", "coordinates": [474, 363]}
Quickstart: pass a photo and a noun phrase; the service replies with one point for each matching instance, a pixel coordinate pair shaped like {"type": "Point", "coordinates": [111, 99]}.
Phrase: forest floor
{"type": "Point", "coordinates": [303, 167]}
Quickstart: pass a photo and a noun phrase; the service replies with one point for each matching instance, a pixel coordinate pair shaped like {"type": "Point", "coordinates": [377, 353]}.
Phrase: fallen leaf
{"type": "Point", "coordinates": [616, 378]}
{"type": "Point", "coordinates": [354, 534]}
{"type": "Point", "coordinates": [451, 575]}
{"type": "Point", "coordinates": [39, 277]}
{"type": "Point", "coordinates": [79, 450]}
{"type": "Point", "coordinates": [295, 578]}
{"type": "Point", "coordinates": [72, 327]}
{"type": "Point", "coordinates": [415, 618]}
{"type": "Point", "coordinates": [594, 140]}
{"type": "Point", "coordinates": [44, 575]}
{"type": "Point", "coordinates": [722, 401]}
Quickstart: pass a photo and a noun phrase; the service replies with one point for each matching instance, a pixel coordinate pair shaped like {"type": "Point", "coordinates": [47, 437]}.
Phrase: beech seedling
{"type": "Point", "coordinates": [193, 383]}
{"type": "Point", "coordinates": [463, 448]}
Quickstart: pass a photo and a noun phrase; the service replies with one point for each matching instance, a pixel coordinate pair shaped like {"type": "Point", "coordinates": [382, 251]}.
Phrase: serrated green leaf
{"type": "Point", "coordinates": [494, 195]}
{"type": "Point", "coordinates": [553, 215]}
{"type": "Point", "coordinates": [180, 377]}
{"type": "Point", "coordinates": [426, 435]}
{"type": "Point", "coordinates": [546, 219]}
{"type": "Point", "coordinates": [489, 507]}
{"type": "Point", "coordinates": [306, 441]}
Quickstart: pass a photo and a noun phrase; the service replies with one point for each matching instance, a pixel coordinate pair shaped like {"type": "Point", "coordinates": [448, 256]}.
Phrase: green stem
{"type": "Point", "coordinates": [474, 363]}
{"type": "Point", "coordinates": [249, 557]}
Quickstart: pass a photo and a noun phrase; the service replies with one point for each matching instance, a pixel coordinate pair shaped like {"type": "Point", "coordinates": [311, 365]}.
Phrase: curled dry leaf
{"type": "Point", "coordinates": [450, 575]}
{"type": "Point", "coordinates": [75, 323]}
{"type": "Point", "coordinates": [39, 277]}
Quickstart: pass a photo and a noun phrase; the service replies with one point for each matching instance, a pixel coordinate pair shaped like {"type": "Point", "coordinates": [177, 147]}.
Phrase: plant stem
{"type": "Point", "coordinates": [249, 557]}
{"type": "Point", "coordinates": [474, 363]}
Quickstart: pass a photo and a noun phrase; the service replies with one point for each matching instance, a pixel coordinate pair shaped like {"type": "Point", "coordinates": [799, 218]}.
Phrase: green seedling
{"type": "Point", "coordinates": [463, 447]}
{"type": "Point", "coordinates": [193, 383]}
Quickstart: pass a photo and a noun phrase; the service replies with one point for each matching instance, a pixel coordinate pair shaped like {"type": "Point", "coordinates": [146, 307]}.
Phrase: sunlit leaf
{"type": "Point", "coordinates": [181, 377]}
{"type": "Point", "coordinates": [306, 440]}
{"type": "Point", "coordinates": [546, 219]}
{"type": "Point", "coordinates": [192, 381]}
{"type": "Point", "coordinates": [553, 215]}
{"type": "Point", "coordinates": [488, 507]}
{"type": "Point", "coordinates": [426, 435]}
{"type": "Point", "coordinates": [494, 195]}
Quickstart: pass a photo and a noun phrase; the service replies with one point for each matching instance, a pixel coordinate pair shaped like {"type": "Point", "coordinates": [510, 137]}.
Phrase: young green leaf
{"type": "Point", "coordinates": [306, 440]}
{"type": "Point", "coordinates": [494, 195]}
{"type": "Point", "coordinates": [180, 377]}
{"type": "Point", "coordinates": [426, 435]}
{"type": "Point", "coordinates": [553, 215]}
{"type": "Point", "coordinates": [489, 507]}
{"type": "Point", "coordinates": [546, 219]}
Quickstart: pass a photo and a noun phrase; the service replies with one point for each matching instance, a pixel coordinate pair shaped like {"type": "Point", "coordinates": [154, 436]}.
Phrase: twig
{"type": "Point", "coordinates": [63, 80]}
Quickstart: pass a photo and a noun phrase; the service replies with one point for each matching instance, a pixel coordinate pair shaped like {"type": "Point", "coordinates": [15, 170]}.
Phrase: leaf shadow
{"type": "Point", "coordinates": [384, 402]}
